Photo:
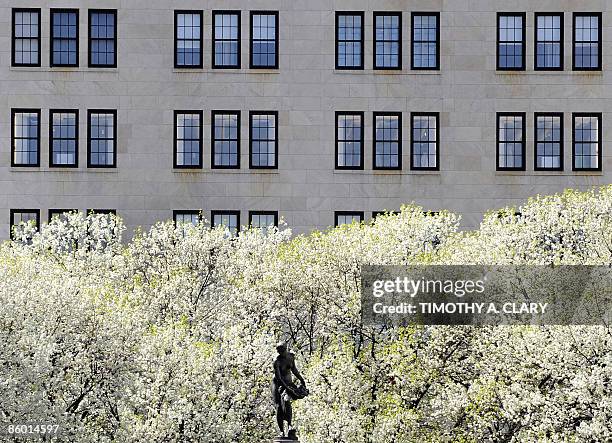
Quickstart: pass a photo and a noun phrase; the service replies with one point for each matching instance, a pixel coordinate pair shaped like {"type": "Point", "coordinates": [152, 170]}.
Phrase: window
{"type": "Point", "coordinates": [346, 217]}
{"type": "Point", "coordinates": [510, 141]}
{"type": "Point", "coordinates": [387, 140]}
{"type": "Point", "coordinates": [64, 37]}
{"type": "Point", "coordinates": [349, 40]}
{"type": "Point", "coordinates": [63, 138]}
{"type": "Point", "coordinates": [425, 145]}
{"type": "Point", "coordinates": [225, 130]}
{"type": "Point", "coordinates": [60, 213]}
{"type": "Point", "coordinates": [188, 39]}
{"type": "Point", "coordinates": [103, 38]}
{"type": "Point", "coordinates": [226, 39]}
{"type": "Point", "coordinates": [549, 42]}
{"type": "Point", "coordinates": [188, 139]}
{"type": "Point", "coordinates": [387, 40]}
{"type": "Point", "coordinates": [101, 138]}
{"type": "Point", "coordinates": [186, 216]}
{"type": "Point", "coordinates": [264, 135]}
{"type": "Point", "coordinates": [349, 140]}
{"type": "Point", "coordinates": [19, 216]}
{"type": "Point", "coordinates": [264, 39]}
{"type": "Point", "coordinates": [376, 214]}
{"type": "Point", "coordinates": [229, 219]}
{"type": "Point", "coordinates": [587, 41]}
{"type": "Point", "coordinates": [25, 137]}
{"type": "Point", "coordinates": [425, 40]}
{"type": "Point", "coordinates": [587, 139]}
{"type": "Point", "coordinates": [548, 142]}
{"type": "Point", "coordinates": [511, 41]}
{"type": "Point", "coordinates": [263, 219]}
{"type": "Point", "coordinates": [26, 37]}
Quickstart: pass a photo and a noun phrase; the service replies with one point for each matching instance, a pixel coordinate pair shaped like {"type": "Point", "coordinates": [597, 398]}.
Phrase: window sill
{"type": "Point", "coordinates": [225, 171]}
{"type": "Point", "coordinates": [549, 173]}
{"type": "Point", "coordinates": [388, 71]}
{"type": "Point", "coordinates": [259, 71]}
{"type": "Point", "coordinates": [62, 69]}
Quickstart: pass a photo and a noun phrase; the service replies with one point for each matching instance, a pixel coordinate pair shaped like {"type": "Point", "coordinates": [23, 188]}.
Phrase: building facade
{"type": "Point", "coordinates": [315, 112]}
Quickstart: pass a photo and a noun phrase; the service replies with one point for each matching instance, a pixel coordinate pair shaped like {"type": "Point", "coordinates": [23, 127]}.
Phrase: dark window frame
{"type": "Point", "coordinates": [101, 212]}
{"type": "Point", "coordinates": [362, 41]}
{"type": "Point", "coordinates": [90, 40]}
{"type": "Point", "coordinates": [523, 42]}
{"type": "Point", "coordinates": [276, 146]}
{"type": "Point", "coordinates": [14, 12]}
{"type": "Point", "coordinates": [90, 112]}
{"type": "Point", "coordinates": [273, 213]}
{"type": "Point", "coordinates": [523, 115]}
{"type": "Point", "coordinates": [25, 111]}
{"type": "Point", "coordinates": [52, 38]}
{"type": "Point", "coordinates": [399, 141]}
{"type": "Point", "coordinates": [225, 212]}
{"type": "Point", "coordinates": [337, 214]}
{"type": "Point", "coordinates": [52, 212]}
{"type": "Point", "coordinates": [178, 12]}
{"type": "Point", "coordinates": [19, 211]}
{"type": "Point", "coordinates": [560, 115]}
{"type": "Point", "coordinates": [399, 66]}
{"type": "Point", "coordinates": [176, 212]}
{"type": "Point", "coordinates": [276, 34]}
{"type": "Point", "coordinates": [76, 138]}
{"type": "Point", "coordinates": [412, 41]}
{"type": "Point", "coordinates": [200, 164]}
{"type": "Point", "coordinates": [213, 114]}
{"type": "Point", "coordinates": [561, 16]}
{"type": "Point", "coordinates": [238, 64]}
{"type": "Point", "coordinates": [599, 66]}
{"type": "Point", "coordinates": [599, 116]}
{"type": "Point", "coordinates": [361, 165]}
{"type": "Point", "coordinates": [424, 168]}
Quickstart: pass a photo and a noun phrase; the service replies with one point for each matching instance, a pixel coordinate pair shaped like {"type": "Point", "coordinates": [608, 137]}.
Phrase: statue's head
{"type": "Point", "coordinates": [281, 347]}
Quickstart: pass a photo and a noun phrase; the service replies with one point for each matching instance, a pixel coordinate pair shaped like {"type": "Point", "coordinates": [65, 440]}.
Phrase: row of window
{"type": "Point", "coordinates": [64, 138]}
{"type": "Point", "coordinates": [263, 140]}
{"type": "Point", "coordinates": [64, 34]}
{"type": "Point", "coordinates": [230, 219]}
{"type": "Point", "coordinates": [264, 39]}
{"type": "Point", "coordinates": [549, 41]}
{"type": "Point", "coordinates": [548, 141]}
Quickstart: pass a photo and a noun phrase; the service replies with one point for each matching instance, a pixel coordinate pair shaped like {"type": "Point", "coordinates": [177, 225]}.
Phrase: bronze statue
{"type": "Point", "coordinates": [284, 390]}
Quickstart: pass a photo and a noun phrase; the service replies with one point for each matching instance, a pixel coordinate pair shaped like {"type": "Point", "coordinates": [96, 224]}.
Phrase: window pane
{"type": "Point", "coordinates": [25, 138]}
{"type": "Point", "coordinates": [350, 140]}
{"type": "Point", "coordinates": [228, 219]}
{"type": "Point", "coordinates": [225, 139]}
{"type": "Point", "coordinates": [510, 42]}
{"type": "Point", "coordinates": [101, 139]}
{"type": "Point", "coordinates": [348, 218]}
{"type": "Point", "coordinates": [226, 40]}
{"type": "Point", "coordinates": [263, 140]}
{"type": "Point", "coordinates": [188, 39]}
{"type": "Point", "coordinates": [387, 141]}
{"type": "Point", "coordinates": [511, 143]}
{"type": "Point", "coordinates": [263, 43]}
{"type": "Point", "coordinates": [102, 38]}
{"type": "Point", "coordinates": [188, 139]}
{"type": "Point", "coordinates": [548, 141]}
{"type": "Point", "coordinates": [388, 44]}
{"type": "Point", "coordinates": [549, 45]}
{"type": "Point", "coordinates": [64, 43]}
{"type": "Point", "coordinates": [349, 47]}
{"type": "Point", "coordinates": [425, 41]}
{"type": "Point", "coordinates": [586, 142]}
{"type": "Point", "coordinates": [424, 141]}
{"type": "Point", "coordinates": [587, 44]}
{"type": "Point", "coordinates": [26, 28]}
{"type": "Point", "coordinates": [64, 138]}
